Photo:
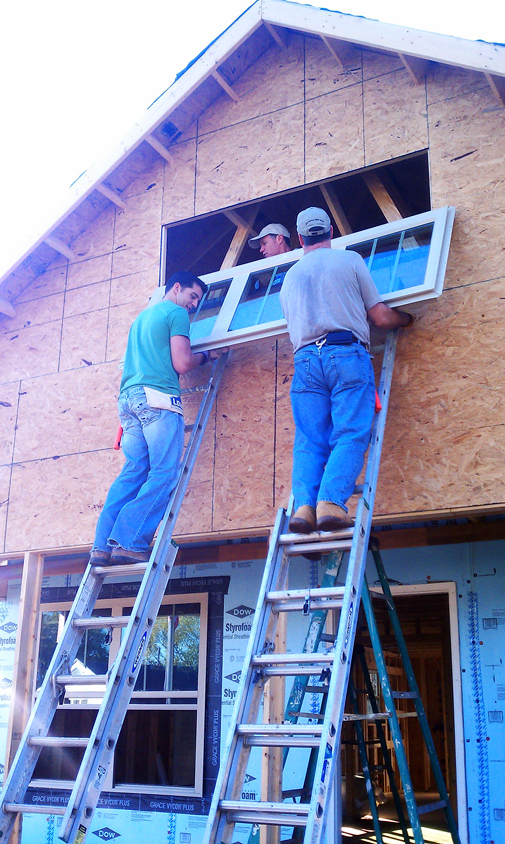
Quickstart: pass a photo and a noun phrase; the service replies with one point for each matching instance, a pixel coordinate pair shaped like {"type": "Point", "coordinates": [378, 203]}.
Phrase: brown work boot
{"type": "Point", "coordinates": [331, 516]}
{"type": "Point", "coordinates": [304, 520]}
{"type": "Point", "coordinates": [99, 558]}
{"type": "Point", "coordinates": [120, 556]}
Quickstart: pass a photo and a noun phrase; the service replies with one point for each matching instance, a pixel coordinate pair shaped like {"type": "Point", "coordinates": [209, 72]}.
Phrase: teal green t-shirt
{"type": "Point", "coordinates": [148, 362]}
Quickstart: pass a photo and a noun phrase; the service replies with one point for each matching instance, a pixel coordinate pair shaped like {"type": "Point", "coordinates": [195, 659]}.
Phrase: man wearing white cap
{"type": "Point", "coordinates": [328, 298]}
{"type": "Point", "coordinates": [272, 240]}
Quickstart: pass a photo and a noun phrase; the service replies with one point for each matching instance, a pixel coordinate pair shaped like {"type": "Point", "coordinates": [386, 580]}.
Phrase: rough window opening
{"type": "Point", "coordinates": [355, 201]}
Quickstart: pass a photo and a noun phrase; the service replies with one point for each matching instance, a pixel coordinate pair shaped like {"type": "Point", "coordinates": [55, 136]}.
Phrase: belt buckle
{"type": "Point", "coordinates": [320, 343]}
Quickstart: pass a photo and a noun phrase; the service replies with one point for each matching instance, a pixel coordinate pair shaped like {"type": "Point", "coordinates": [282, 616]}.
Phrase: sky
{"type": "Point", "coordinates": [75, 76]}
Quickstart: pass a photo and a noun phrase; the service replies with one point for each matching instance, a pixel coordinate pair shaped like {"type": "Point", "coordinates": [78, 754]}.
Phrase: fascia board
{"type": "Point", "coordinates": [446, 49]}
{"type": "Point", "coordinates": [216, 54]}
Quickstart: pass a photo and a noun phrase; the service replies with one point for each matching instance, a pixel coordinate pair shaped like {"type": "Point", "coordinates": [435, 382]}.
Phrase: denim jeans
{"type": "Point", "coordinates": [152, 444]}
{"type": "Point", "coordinates": [333, 402]}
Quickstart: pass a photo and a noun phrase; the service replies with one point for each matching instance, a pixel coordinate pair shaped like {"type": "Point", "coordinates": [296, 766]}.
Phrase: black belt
{"type": "Point", "coordinates": [338, 338]}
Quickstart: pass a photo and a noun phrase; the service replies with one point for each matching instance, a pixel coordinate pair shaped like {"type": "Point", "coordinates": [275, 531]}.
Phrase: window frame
{"type": "Point", "coordinates": [220, 336]}
{"type": "Point", "coordinates": [118, 605]}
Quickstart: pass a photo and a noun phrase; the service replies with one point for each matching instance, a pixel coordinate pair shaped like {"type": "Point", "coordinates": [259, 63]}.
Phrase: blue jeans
{"type": "Point", "coordinates": [333, 402]}
{"type": "Point", "coordinates": [152, 444]}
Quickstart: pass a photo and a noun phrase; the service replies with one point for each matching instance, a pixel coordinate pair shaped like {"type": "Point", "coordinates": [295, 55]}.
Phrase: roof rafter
{"type": "Point", "coordinates": [497, 85]}
{"type": "Point", "coordinates": [225, 86]}
{"type": "Point", "coordinates": [160, 148]}
{"type": "Point", "coordinates": [340, 50]}
{"type": "Point", "coordinates": [110, 194]}
{"type": "Point", "coordinates": [58, 245]}
{"type": "Point", "coordinates": [416, 68]}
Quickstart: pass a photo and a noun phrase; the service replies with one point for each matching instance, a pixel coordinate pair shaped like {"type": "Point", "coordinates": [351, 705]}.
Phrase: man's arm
{"type": "Point", "coordinates": [382, 316]}
{"type": "Point", "coordinates": [183, 359]}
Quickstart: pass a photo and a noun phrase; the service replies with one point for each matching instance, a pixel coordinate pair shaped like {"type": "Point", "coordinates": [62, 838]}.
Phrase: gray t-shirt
{"type": "Point", "coordinates": [327, 290]}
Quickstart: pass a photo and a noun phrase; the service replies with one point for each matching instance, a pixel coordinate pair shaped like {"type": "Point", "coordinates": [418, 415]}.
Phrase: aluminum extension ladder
{"type": "Point", "coordinates": [261, 662]}
{"type": "Point", "coordinates": [120, 681]}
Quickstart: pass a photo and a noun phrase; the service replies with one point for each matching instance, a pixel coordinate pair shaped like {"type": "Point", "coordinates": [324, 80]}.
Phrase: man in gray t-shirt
{"type": "Point", "coordinates": [328, 299]}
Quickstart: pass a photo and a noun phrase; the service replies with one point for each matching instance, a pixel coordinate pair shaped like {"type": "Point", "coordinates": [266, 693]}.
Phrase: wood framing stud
{"type": "Point", "coordinates": [240, 238]}
{"type": "Point", "coordinates": [280, 36]}
{"type": "Point", "coordinates": [237, 220]}
{"type": "Point", "coordinates": [224, 85]}
{"type": "Point", "coordinates": [336, 210]}
{"type": "Point", "coordinates": [341, 51]}
{"type": "Point", "coordinates": [60, 247]}
{"type": "Point", "coordinates": [416, 68]}
{"type": "Point", "coordinates": [497, 85]}
{"type": "Point", "coordinates": [160, 148]}
{"type": "Point", "coordinates": [383, 199]}
{"type": "Point", "coordinates": [7, 309]}
{"type": "Point", "coordinates": [109, 194]}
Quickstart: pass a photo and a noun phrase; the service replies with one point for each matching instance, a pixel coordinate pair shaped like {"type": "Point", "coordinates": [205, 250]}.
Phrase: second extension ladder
{"type": "Point", "coordinates": [261, 662]}
{"type": "Point", "coordinates": [119, 682]}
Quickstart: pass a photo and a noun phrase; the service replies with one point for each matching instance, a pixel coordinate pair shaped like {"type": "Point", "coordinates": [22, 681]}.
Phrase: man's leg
{"type": "Point", "coordinates": [350, 377]}
{"type": "Point", "coordinates": [311, 405]}
{"type": "Point", "coordinates": [131, 478]}
{"type": "Point", "coordinates": [136, 524]}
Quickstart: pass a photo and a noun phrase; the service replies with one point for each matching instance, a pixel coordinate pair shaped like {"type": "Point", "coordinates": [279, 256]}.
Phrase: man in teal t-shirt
{"type": "Point", "coordinates": [150, 412]}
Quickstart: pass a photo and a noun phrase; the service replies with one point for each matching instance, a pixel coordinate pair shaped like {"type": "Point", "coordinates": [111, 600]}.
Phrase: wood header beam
{"type": "Point", "coordinates": [224, 85]}
{"type": "Point", "coordinates": [58, 245]}
{"type": "Point", "coordinates": [341, 51]}
{"type": "Point", "coordinates": [336, 210]}
{"type": "Point", "coordinates": [109, 194]}
{"type": "Point", "coordinates": [416, 68]}
{"type": "Point", "coordinates": [160, 148]}
{"type": "Point", "coordinates": [497, 85]}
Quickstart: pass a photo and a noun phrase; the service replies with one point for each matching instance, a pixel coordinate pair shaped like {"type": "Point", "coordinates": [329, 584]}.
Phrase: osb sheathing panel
{"type": "Point", "coordinates": [89, 271]}
{"type": "Point", "coordinates": [82, 300]}
{"type": "Point", "coordinates": [250, 159]}
{"type": "Point", "coordinates": [257, 96]}
{"type": "Point", "coordinates": [467, 160]}
{"type": "Point", "coordinates": [57, 502]}
{"type": "Point", "coordinates": [324, 74]}
{"type": "Point", "coordinates": [394, 108]}
{"type": "Point", "coordinates": [137, 234]}
{"type": "Point", "coordinates": [445, 435]}
{"type": "Point", "coordinates": [334, 133]}
{"type": "Point", "coordinates": [284, 427]}
{"type": "Point", "coordinates": [30, 351]}
{"type": "Point", "coordinates": [8, 409]}
{"type": "Point", "coordinates": [75, 411]}
{"type": "Point", "coordinates": [46, 284]}
{"type": "Point", "coordinates": [179, 182]}
{"type": "Point", "coordinates": [5, 475]}
{"type": "Point", "coordinates": [134, 289]}
{"type": "Point", "coordinates": [98, 237]}
{"type": "Point", "coordinates": [120, 320]}
{"type": "Point", "coordinates": [83, 339]}
{"type": "Point", "coordinates": [245, 439]}
{"type": "Point", "coordinates": [45, 309]}
{"type": "Point", "coordinates": [150, 178]}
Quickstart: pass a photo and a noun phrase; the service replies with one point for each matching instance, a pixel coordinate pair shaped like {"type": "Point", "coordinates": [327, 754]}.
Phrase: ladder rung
{"type": "Point", "coordinates": [404, 695]}
{"type": "Point", "coordinates": [297, 605]}
{"type": "Point", "coordinates": [318, 537]}
{"type": "Point", "coordinates": [56, 741]}
{"type": "Point", "coordinates": [279, 729]}
{"type": "Point", "coordinates": [373, 716]}
{"type": "Point", "coordinates": [279, 814]}
{"type": "Point", "coordinates": [294, 659]}
{"type": "Point", "coordinates": [120, 571]}
{"type": "Point", "coordinates": [35, 807]}
{"type": "Point", "coordinates": [102, 621]}
{"type": "Point", "coordinates": [281, 741]}
{"type": "Point", "coordinates": [431, 807]}
{"type": "Point", "coordinates": [316, 715]}
{"type": "Point", "coordinates": [306, 594]}
{"type": "Point", "coordinates": [81, 679]}
{"type": "Point", "coordinates": [307, 600]}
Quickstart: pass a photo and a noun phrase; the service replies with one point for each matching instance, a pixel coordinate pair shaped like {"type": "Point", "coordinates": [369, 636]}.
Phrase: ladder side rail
{"type": "Point", "coordinates": [332, 727]}
{"type": "Point", "coordinates": [421, 714]}
{"type": "Point", "coordinates": [394, 724]}
{"type": "Point", "coordinates": [25, 760]}
{"type": "Point", "coordinates": [384, 748]}
{"type": "Point", "coordinates": [98, 754]}
{"type": "Point", "coordinates": [360, 737]}
{"type": "Point", "coordinates": [249, 694]}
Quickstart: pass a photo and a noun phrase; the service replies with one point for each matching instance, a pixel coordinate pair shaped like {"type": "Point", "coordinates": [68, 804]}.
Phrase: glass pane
{"type": "Point", "coordinates": [62, 763]}
{"type": "Point", "coordinates": [204, 318]}
{"type": "Point", "coordinates": [259, 302]}
{"type": "Point", "coordinates": [51, 622]}
{"type": "Point", "coordinates": [156, 748]}
{"type": "Point", "coordinates": [171, 659]}
{"type": "Point", "coordinates": [397, 261]}
{"type": "Point", "coordinates": [92, 656]}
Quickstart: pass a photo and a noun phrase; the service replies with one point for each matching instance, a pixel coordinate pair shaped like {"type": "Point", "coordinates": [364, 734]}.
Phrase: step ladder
{"type": "Point", "coordinates": [119, 683]}
{"type": "Point", "coordinates": [261, 662]}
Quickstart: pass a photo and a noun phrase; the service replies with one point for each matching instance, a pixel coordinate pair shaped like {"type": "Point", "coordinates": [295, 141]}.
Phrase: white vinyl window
{"type": "Point", "coordinates": [406, 258]}
{"type": "Point", "coordinates": [160, 746]}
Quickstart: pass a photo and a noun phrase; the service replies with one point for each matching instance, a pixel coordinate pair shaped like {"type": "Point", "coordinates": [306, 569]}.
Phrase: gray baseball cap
{"type": "Point", "coordinates": [313, 221]}
{"type": "Point", "coordinates": [272, 228]}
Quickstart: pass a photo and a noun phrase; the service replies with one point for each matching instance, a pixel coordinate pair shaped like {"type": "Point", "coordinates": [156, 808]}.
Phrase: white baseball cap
{"type": "Point", "coordinates": [272, 228]}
